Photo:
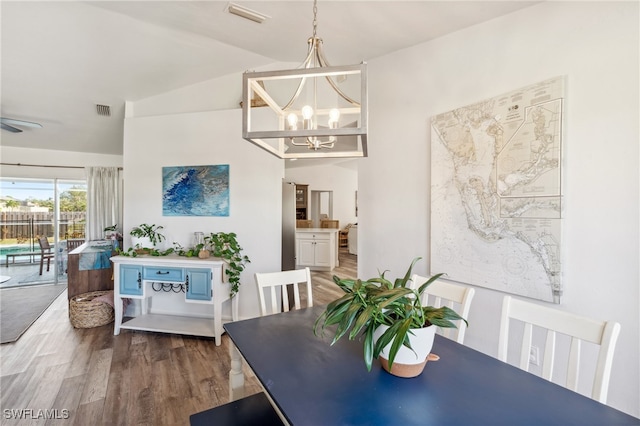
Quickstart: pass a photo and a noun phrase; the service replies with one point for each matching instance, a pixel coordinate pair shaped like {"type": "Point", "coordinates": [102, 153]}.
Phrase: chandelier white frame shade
{"type": "Point", "coordinates": [265, 121]}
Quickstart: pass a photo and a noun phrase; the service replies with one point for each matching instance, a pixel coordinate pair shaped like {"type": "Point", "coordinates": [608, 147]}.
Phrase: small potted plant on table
{"type": "Point", "coordinates": [145, 237]}
{"type": "Point", "coordinates": [391, 317]}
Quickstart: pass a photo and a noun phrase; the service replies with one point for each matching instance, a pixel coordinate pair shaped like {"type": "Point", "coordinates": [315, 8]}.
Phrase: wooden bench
{"type": "Point", "coordinates": [252, 410]}
{"type": "Point", "coordinates": [14, 255]}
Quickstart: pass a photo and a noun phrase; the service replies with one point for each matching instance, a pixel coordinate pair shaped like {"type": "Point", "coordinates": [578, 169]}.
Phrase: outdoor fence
{"type": "Point", "coordinates": [25, 227]}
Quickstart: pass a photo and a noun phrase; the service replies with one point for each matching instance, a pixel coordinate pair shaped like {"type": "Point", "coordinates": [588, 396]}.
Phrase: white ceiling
{"type": "Point", "coordinates": [61, 58]}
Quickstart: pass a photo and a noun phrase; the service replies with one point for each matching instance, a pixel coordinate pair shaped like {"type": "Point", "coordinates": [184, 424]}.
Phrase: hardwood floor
{"type": "Point", "coordinates": [324, 289]}
{"type": "Point", "coordinates": [55, 374]}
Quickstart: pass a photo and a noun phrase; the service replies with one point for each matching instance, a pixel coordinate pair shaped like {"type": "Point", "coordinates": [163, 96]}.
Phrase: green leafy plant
{"type": "Point", "coordinates": [150, 231]}
{"type": "Point", "coordinates": [132, 252]}
{"type": "Point", "coordinates": [225, 246]}
{"type": "Point", "coordinates": [188, 252]}
{"type": "Point", "coordinates": [369, 304]}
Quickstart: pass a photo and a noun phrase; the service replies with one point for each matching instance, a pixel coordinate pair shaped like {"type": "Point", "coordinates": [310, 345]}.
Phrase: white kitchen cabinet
{"type": "Point", "coordinates": [317, 248]}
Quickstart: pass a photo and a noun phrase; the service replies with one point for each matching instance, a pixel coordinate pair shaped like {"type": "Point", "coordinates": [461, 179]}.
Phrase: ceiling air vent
{"type": "Point", "coordinates": [246, 13]}
{"type": "Point", "coordinates": [104, 110]}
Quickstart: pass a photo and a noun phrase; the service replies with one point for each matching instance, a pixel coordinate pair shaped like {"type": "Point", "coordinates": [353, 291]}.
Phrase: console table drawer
{"type": "Point", "coordinates": [162, 274]}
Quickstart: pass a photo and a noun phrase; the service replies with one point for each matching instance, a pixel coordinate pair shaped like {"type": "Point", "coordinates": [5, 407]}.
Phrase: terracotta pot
{"type": "Point", "coordinates": [409, 363]}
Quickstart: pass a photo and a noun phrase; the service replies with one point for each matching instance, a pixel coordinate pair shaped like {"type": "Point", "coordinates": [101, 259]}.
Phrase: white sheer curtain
{"type": "Point", "coordinates": [104, 200]}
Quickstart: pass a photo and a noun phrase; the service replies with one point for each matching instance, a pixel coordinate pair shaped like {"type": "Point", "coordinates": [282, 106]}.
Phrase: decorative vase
{"type": "Point", "coordinates": [409, 363]}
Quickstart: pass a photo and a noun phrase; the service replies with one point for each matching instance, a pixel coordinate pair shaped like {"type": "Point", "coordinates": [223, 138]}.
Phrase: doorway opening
{"type": "Point", "coordinates": [321, 206]}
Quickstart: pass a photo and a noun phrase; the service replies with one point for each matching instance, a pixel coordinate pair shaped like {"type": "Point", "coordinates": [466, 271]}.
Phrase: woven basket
{"type": "Point", "coordinates": [85, 313]}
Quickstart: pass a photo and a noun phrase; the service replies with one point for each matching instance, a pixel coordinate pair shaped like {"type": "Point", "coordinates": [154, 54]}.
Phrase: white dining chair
{"type": "Point", "coordinates": [440, 293]}
{"type": "Point", "coordinates": [601, 333]}
{"type": "Point", "coordinates": [278, 282]}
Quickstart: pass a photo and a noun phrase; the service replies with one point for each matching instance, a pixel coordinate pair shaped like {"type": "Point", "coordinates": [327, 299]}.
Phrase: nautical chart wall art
{"type": "Point", "coordinates": [496, 192]}
{"type": "Point", "coordinates": [195, 190]}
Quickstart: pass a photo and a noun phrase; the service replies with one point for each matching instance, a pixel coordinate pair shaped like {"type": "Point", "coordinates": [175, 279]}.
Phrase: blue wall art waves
{"type": "Point", "coordinates": [195, 191]}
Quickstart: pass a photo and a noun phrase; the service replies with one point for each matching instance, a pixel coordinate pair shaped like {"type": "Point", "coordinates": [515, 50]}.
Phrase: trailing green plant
{"type": "Point", "coordinates": [155, 252]}
{"type": "Point", "coordinates": [150, 231]}
{"type": "Point", "coordinates": [188, 252]}
{"type": "Point", "coordinates": [368, 304]}
{"type": "Point", "coordinates": [132, 252]}
{"type": "Point", "coordinates": [225, 246]}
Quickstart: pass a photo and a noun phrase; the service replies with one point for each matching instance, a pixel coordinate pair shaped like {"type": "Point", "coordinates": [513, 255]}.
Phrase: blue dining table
{"type": "Point", "coordinates": [313, 383]}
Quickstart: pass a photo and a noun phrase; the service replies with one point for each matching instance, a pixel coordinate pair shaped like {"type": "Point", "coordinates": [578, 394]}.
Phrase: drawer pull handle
{"type": "Point", "coordinates": [162, 273]}
{"type": "Point", "coordinates": [139, 280]}
{"type": "Point", "coordinates": [187, 283]}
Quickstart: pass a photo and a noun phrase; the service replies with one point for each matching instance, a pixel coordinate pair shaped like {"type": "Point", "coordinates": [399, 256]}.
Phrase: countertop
{"type": "Point", "coordinates": [317, 230]}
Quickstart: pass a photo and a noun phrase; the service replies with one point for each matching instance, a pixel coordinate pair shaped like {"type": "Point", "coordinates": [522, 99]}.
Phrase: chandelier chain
{"type": "Point", "coordinates": [315, 17]}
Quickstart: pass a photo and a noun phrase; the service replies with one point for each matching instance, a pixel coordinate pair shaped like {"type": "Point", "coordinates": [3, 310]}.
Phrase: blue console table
{"type": "Point", "coordinates": [200, 281]}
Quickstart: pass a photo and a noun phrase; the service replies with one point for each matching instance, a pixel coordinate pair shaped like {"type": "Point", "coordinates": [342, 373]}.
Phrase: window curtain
{"type": "Point", "coordinates": [104, 200]}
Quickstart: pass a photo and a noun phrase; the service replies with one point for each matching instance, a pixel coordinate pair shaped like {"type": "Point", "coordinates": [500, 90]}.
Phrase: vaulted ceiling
{"type": "Point", "coordinates": [61, 58]}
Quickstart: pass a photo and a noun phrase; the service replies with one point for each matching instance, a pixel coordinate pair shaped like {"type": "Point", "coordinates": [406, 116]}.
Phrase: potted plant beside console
{"type": "Point", "coordinates": [392, 319]}
{"type": "Point", "coordinates": [225, 246]}
{"type": "Point", "coordinates": [222, 245]}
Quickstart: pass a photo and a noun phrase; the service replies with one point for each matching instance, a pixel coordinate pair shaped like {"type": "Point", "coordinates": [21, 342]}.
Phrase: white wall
{"type": "Point", "coordinates": [341, 179]}
{"type": "Point", "coordinates": [210, 95]}
{"type": "Point", "coordinates": [48, 157]}
{"type": "Point", "coordinates": [207, 138]}
{"type": "Point", "coordinates": [595, 44]}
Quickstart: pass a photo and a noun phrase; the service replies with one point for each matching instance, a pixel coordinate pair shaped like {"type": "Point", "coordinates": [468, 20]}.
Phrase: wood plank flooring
{"type": "Point", "coordinates": [55, 374]}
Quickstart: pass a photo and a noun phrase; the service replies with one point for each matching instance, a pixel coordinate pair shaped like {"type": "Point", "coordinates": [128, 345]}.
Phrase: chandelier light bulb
{"type": "Point", "coordinates": [334, 116]}
{"type": "Point", "coordinates": [307, 112]}
{"type": "Point", "coordinates": [293, 121]}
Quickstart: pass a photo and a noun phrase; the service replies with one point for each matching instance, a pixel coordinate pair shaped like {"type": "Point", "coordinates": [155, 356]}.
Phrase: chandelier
{"type": "Point", "coordinates": [314, 111]}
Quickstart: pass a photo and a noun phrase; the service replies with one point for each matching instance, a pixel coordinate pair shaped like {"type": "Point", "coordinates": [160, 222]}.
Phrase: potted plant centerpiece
{"type": "Point", "coordinates": [145, 237]}
{"type": "Point", "coordinates": [391, 318]}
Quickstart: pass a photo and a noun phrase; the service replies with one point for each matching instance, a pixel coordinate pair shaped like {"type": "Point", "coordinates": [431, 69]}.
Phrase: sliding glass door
{"type": "Point", "coordinates": [34, 214]}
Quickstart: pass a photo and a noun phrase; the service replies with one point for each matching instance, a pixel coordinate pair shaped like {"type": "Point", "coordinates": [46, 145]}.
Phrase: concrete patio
{"type": "Point", "coordinates": [26, 272]}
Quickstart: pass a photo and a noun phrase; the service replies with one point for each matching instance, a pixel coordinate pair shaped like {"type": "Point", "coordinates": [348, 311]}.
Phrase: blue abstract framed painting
{"type": "Point", "coordinates": [195, 190]}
